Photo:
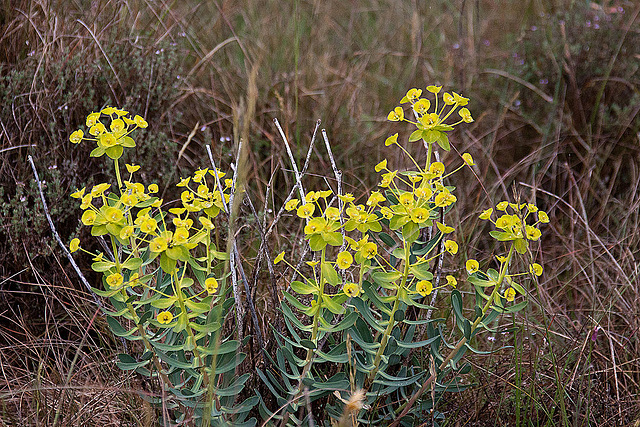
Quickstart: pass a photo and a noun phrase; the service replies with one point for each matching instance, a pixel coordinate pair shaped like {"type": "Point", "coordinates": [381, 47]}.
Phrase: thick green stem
{"type": "Point", "coordinates": [316, 317]}
{"type": "Point", "coordinates": [429, 152]}
{"type": "Point", "coordinates": [193, 346]}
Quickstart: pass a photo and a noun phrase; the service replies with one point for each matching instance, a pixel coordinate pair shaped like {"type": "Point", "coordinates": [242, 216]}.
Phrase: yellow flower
{"type": "Point", "coordinates": [85, 202]}
{"type": "Point", "coordinates": [332, 213]}
{"type": "Point", "coordinates": [88, 217]}
{"type": "Point", "coordinates": [159, 244]}
{"type": "Point", "coordinates": [344, 260]}
{"type": "Point", "coordinates": [386, 212]}
{"type": "Point", "coordinates": [424, 287]}
{"type": "Point", "coordinates": [444, 228]}
{"type": "Point", "coordinates": [312, 263]}
{"type": "Point", "coordinates": [434, 89]}
{"type": "Point", "coordinates": [128, 199]}
{"type": "Point", "coordinates": [422, 106]}
{"type": "Point", "coordinates": [206, 223]}
{"type": "Point", "coordinates": [451, 281]}
{"type": "Point", "coordinates": [97, 129]}
{"type": "Point", "coordinates": [117, 126]}
{"type": "Point", "coordinates": [472, 266]}
{"type": "Point", "coordinates": [502, 206]}
{"type": "Point", "coordinates": [126, 232]}
{"type": "Point", "coordinates": [306, 210]}
{"type": "Point", "coordinates": [451, 247]}
{"type": "Point", "coordinates": [211, 285]}
{"type": "Point", "coordinates": [428, 121]}
{"type": "Point", "coordinates": [347, 198]}
{"type": "Point", "coordinates": [78, 193]}
{"type": "Point", "coordinates": [324, 194]}
{"type": "Point", "coordinates": [380, 166]}
{"type": "Point", "coordinates": [153, 188]}
{"type": "Point", "coordinates": [396, 115]}
{"type": "Point", "coordinates": [315, 226]}
{"type": "Point", "coordinates": [92, 119]}
{"type": "Point", "coordinates": [437, 168]}
{"type": "Point", "coordinates": [98, 190]}
{"type": "Point", "coordinates": [419, 215]}
{"type": "Point", "coordinates": [375, 199]}
{"type": "Point", "coordinates": [448, 99]}
{"type": "Point", "coordinates": [351, 289]}
{"type": "Point", "coordinates": [148, 226]}
{"type": "Point", "coordinates": [180, 236]}
{"type": "Point", "coordinates": [510, 294]}
{"type": "Point", "coordinates": [393, 139]}
{"type": "Point", "coordinates": [74, 245]}
{"type": "Point", "coordinates": [468, 159]}
{"type": "Point", "coordinates": [387, 179]}
{"type": "Point", "coordinates": [107, 140]}
{"type": "Point", "coordinates": [536, 269]}
{"type": "Point", "coordinates": [486, 214]}
{"type": "Point", "coordinates": [531, 207]}
{"type": "Point", "coordinates": [369, 250]}
{"type": "Point", "coordinates": [543, 217]}
{"type": "Point", "coordinates": [406, 199]}
{"type": "Point", "coordinates": [114, 280]}
{"type": "Point", "coordinates": [76, 137]}
{"type": "Point", "coordinates": [465, 114]}
{"type": "Point", "coordinates": [113, 214]}
{"type": "Point", "coordinates": [445, 198]}
{"type": "Point", "coordinates": [279, 258]}
{"type": "Point", "coordinates": [412, 95]}
{"type": "Point", "coordinates": [203, 191]}
{"type": "Point", "coordinates": [312, 196]}
{"type": "Point", "coordinates": [460, 100]}
{"type": "Point", "coordinates": [507, 221]}
{"type": "Point", "coordinates": [165, 317]}
{"type": "Point", "coordinates": [183, 182]}
{"type": "Point", "coordinates": [423, 193]}
{"type": "Point", "coordinates": [532, 232]}
{"type": "Point", "coordinates": [131, 168]}
{"type": "Point", "coordinates": [291, 204]}
{"type": "Point", "coordinates": [140, 122]}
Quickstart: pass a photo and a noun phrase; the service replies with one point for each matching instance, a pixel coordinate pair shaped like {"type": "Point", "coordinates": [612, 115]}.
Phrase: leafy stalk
{"type": "Point", "coordinates": [391, 324]}
{"type": "Point", "coordinates": [407, 406]}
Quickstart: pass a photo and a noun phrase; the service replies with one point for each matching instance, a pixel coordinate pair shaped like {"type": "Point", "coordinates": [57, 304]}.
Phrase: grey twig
{"type": "Point", "coordinates": [295, 187]}
{"type": "Point", "coordinates": [293, 161]}
{"type": "Point", "coordinates": [57, 236]}
{"type": "Point", "coordinates": [338, 174]}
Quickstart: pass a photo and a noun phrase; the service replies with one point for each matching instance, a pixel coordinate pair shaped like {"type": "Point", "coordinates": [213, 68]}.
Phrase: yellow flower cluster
{"type": "Point", "coordinates": [112, 140]}
{"type": "Point", "coordinates": [513, 226]}
{"type": "Point", "coordinates": [430, 123]}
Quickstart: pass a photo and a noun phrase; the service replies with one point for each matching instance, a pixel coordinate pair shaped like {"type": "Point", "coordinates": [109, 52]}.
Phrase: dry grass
{"type": "Point", "coordinates": [576, 353]}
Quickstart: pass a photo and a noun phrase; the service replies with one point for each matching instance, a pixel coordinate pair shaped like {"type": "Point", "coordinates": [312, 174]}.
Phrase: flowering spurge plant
{"type": "Point", "coordinates": [360, 343]}
{"type": "Point", "coordinates": [164, 278]}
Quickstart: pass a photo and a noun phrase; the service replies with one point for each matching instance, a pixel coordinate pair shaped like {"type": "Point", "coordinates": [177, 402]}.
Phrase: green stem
{"type": "Point", "coordinates": [429, 152]}
{"type": "Point", "coordinates": [117, 166]}
{"type": "Point", "coordinates": [192, 339]}
{"type": "Point", "coordinates": [391, 324]}
{"type": "Point", "coordinates": [316, 317]}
